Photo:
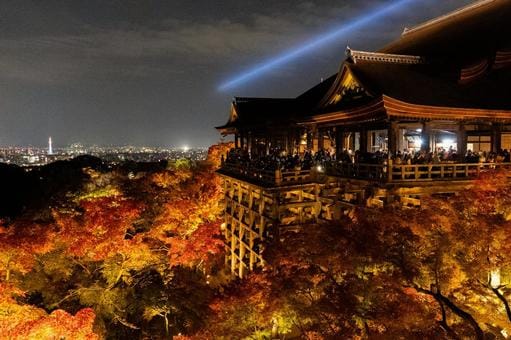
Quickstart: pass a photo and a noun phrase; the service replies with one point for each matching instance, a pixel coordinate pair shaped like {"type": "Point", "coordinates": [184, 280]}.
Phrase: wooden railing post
{"type": "Point", "coordinates": [278, 177]}
{"type": "Point", "coordinates": [389, 170]}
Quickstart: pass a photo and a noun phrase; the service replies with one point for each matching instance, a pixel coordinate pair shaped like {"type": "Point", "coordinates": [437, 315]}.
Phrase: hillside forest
{"type": "Point", "coordinates": [90, 250]}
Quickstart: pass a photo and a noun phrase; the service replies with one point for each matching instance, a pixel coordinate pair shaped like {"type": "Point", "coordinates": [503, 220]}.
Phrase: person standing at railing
{"type": "Point", "coordinates": [471, 157]}
{"type": "Point", "coordinates": [436, 159]}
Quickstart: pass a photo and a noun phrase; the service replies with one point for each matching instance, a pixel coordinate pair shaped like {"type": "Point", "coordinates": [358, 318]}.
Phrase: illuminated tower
{"type": "Point", "coordinates": [50, 148]}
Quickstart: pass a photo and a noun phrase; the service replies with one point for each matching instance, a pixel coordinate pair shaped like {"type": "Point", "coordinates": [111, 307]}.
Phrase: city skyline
{"type": "Point", "coordinates": [123, 72]}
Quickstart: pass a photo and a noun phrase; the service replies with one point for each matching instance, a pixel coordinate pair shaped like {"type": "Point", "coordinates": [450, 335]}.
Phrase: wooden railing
{"type": "Point", "coordinates": [357, 170]}
{"type": "Point", "coordinates": [375, 172]}
{"type": "Point", "coordinates": [416, 172]}
{"type": "Point", "coordinates": [273, 177]}
{"type": "Point", "coordinates": [449, 171]}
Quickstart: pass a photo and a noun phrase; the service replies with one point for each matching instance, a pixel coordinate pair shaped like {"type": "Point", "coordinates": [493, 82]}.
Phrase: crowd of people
{"type": "Point", "coordinates": [279, 160]}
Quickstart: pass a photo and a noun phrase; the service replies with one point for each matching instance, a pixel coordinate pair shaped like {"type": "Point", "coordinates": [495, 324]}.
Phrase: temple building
{"type": "Point", "coordinates": [424, 115]}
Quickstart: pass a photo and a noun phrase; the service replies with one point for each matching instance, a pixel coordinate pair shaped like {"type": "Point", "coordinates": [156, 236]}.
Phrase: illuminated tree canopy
{"type": "Point", "coordinates": [141, 255]}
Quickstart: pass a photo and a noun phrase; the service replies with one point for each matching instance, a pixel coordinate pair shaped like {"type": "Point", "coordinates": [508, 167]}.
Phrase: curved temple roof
{"type": "Point", "coordinates": [460, 60]}
{"type": "Point", "coordinates": [478, 30]}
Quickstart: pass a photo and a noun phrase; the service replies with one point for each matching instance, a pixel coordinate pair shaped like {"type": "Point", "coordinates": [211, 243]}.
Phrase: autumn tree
{"type": "Point", "coordinates": [20, 243]}
{"type": "Point", "coordinates": [19, 320]}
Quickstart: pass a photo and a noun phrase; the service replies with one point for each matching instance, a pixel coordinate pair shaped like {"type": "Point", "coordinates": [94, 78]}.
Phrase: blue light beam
{"type": "Point", "coordinates": [312, 44]}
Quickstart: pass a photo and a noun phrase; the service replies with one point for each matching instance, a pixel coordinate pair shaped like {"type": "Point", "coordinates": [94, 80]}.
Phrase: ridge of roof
{"type": "Point", "coordinates": [448, 16]}
{"type": "Point", "coordinates": [461, 37]}
{"type": "Point", "coordinates": [255, 99]}
{"type": "Point", "coordinates": [383, 57]}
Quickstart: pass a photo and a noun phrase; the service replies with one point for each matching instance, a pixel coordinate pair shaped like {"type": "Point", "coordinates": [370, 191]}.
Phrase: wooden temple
{"type": "Point", "coordinates": [424, 115]}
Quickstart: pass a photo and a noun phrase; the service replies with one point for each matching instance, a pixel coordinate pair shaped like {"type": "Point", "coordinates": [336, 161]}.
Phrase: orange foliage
{"type": "Point", "coordinates": [100, 230]}
{"type": "Point", "coordinates": [20, 243]}
{"type": "Point", "coordinates": [58, 325]}
{"type": "Point", "coordinates": [22, 321]}
{"type": "Point", "coordinates": [200, 247]}
{"type": "Point", "coordinates": [216, 152]}
{"type": "Point", "coordinates": [189, 223]}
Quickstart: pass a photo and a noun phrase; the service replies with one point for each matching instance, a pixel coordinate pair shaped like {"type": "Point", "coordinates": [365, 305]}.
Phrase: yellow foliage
{"type": "Point", "coordinates": [108, 191]}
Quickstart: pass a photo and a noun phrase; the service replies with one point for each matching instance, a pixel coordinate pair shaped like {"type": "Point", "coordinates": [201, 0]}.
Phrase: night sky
{"type": "Point", "coordinates": [147, 72]}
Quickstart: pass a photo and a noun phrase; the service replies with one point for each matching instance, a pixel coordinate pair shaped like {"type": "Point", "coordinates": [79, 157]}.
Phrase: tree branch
{"type": "Point", "coordinates": [455, 309]}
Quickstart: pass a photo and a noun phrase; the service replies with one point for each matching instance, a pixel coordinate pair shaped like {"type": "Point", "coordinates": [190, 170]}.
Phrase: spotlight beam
{"type": "Point", "coordinates": [312, 44]}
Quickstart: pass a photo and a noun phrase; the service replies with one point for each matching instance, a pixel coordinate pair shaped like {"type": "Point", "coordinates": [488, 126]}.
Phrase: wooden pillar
{"type": "Point", "coordinates": [309, 140]}
{"type": "Point", "coordinates": [461, 141]}
{"type": "Point", "coordinates": [315, 140]}
{"type": "Point", "coordinates": [426, 137]}
{"type": "Point", "coordinates": [298, 140]}
{"type": "Point", "coordinates": [321, 139]}
{"type": "Point", "coordinates": [339, 142]}
{"type": "Point", "coordinates": [351, 141]}
{"type": "Point", "coordinates": [363, 139]}
{"type": "Point", "coordinates": [242, 140]}
{"type": "Point", "coordinates": [249, 142]}
{"type": "Point", "coordinates": [496, 133]}
{"type": "Point", "coordinates": [393, 134]}
{"type": "Point", "coordinates": [236, 140]}
{"type": "Point", "coordinates": [291, 142]}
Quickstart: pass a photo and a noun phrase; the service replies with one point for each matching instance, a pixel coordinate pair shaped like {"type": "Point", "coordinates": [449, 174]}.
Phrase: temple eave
{"type": "Point", "coordinates": [401, 109]}
{"type": "Point", "coordinates": [387, 107]}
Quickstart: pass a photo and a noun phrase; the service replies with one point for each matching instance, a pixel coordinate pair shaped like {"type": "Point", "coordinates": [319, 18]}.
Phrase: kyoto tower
{"type": "Point", "coordinates": [50, 148]}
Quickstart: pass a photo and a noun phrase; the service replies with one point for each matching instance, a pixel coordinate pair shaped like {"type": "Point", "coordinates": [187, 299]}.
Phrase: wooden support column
{"type": "Point", "coordinates": [461, 141]}
{"type": "Point", "coordinates": [249, 142]}
{"type": "Point", "coordinates": [321, 139]}
{"type": "Point", "coordinates": [291, 136]}
{"type": "Point", "coordinates": [339, 142]}
{"type": "Point", "coordinates": [426, 137]}
{"type": "Point", "coordinates": [352, 141]}
{"type": "Point", "coordinates": [309, 140]}
{"type": "Point", "coordinates": [315, 140]}
{"type": "Point", "coordinates": [267, 145]}
{"type": "Point", "coordinates": [242, 140]}
{"type": "Point", "coordinates": [393, 134]}
{"type": "Point", "coordinates": [496, 133]}
{"type": "Point", "coordinates": [236, 140]}
{"type": "Point", "coordinates": [363, 139]}
{"type": "Point", "coordinates": [298, 140]}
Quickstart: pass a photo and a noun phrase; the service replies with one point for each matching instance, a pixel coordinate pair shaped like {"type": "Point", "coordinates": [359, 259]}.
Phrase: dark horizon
{"type": "Point", "coordinates": [146, 74]}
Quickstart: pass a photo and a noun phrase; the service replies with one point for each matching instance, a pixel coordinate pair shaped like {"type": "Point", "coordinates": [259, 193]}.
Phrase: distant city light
{"type": "Point", "coordinates": [38, 156]}
{"type": "Point", "coordinates": [321, 40]}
